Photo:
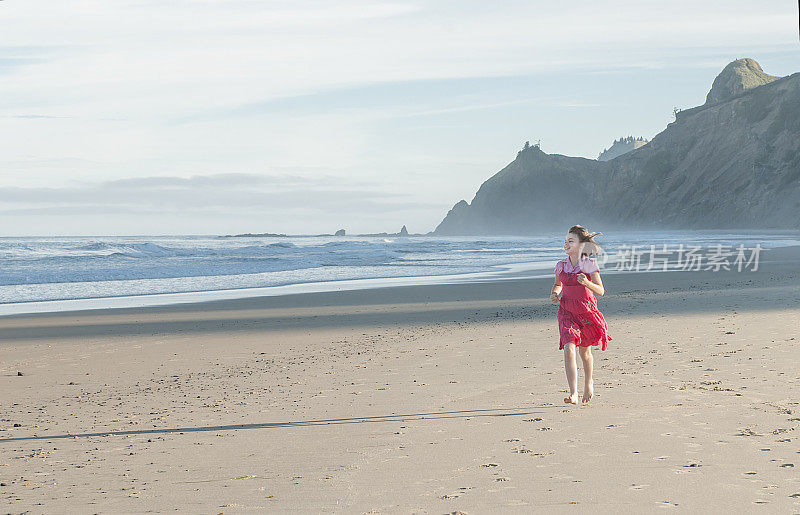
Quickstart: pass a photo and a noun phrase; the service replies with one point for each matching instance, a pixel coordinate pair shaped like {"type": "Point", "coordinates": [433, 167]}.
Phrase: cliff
{"type": "Point", "coordinates": [621, 146]}
{"type": "Point", "coordinates": [733, 162]}
{"type": "Point", "coordinates": [738, 76]}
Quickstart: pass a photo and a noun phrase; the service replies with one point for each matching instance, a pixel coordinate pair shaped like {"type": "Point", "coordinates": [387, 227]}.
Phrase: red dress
{"type": "Point", "coordinates": [579, 320]}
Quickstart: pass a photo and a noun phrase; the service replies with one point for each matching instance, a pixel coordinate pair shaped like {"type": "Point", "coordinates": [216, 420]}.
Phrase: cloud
{"type": "Point", "coordinates": [219, 54]}
{"type": "Point", "coordinates": [544, 102]}
{"type": "Point", "coordinates": [36, 116]}
{"type": "Point", "coordinates": [234, 192]}
{"type": "Point", "coordinates": [9, 65]}
{"type": "Point", "coordinates": [139, 105]}
{"type": "Point", "coordinates": [226, 180]}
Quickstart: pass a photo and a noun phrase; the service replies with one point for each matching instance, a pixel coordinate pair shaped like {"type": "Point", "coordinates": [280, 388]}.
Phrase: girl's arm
{"type": "Point", "coordinates": [556, 290]}
{"type": "Point", "coordinates": [596, 284]}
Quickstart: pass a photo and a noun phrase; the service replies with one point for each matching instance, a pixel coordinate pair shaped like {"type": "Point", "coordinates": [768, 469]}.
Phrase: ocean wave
{"type": "Point", "coordinates": [135, 250]}
{"type": "Point", "coordinates": [62, 267]}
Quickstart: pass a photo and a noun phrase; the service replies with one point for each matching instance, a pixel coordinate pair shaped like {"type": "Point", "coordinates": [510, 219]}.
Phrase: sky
{"type": "Point", "coordinates": [304, 117]}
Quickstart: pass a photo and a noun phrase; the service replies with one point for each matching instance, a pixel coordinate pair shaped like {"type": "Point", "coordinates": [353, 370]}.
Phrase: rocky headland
{"type": "Point", "coordinates": [733, 162]}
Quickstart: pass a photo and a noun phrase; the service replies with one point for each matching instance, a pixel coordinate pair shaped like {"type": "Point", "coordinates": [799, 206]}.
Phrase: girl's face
{"type": "Point", "coordinates": [572, 244]}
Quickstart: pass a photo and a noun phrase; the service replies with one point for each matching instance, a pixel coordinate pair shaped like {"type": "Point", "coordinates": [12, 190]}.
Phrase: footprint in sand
{"type": "Point", "coordinates": [637, 487]}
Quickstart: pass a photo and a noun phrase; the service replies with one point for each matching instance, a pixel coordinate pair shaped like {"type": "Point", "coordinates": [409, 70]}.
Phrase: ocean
{"type": "Point", "coordinates": [60, 273]}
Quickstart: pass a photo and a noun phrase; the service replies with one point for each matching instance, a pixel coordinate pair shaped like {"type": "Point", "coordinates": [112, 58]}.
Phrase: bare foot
{"type": "Point", "coordinates": [572, 399]}
{"type": "Point", "coordinates": [588, 392]}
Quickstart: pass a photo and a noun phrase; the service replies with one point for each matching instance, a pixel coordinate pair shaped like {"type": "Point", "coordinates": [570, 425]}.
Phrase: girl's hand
{"type": "Point", "coordinates": [582, 279]}
{"type": "Point", "coordinates": [554, 298]}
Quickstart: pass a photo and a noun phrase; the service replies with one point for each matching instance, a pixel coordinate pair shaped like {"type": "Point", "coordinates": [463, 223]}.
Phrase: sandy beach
{"type": "Point", "coordinates": [418, 399]}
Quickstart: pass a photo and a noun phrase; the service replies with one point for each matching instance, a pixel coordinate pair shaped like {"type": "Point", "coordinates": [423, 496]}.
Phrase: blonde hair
{"type": "Point", "coordinates": [590, 248]}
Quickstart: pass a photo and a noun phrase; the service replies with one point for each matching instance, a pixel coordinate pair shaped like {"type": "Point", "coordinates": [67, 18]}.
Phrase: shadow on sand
{"type": "Point", "coordinates": [497, 412]}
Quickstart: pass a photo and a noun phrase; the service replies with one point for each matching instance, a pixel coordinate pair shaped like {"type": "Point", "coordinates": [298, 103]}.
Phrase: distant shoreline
{"type": "Point", "coordinates": [606, 230]}
{"type": "Point", "coordinates": [372, 235]}
{"type": "Point", "coordinates": [722, 230]}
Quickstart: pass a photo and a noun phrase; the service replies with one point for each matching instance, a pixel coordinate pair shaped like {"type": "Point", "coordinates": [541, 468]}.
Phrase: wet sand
{"type": "Point", "coordinates": [422, 399]}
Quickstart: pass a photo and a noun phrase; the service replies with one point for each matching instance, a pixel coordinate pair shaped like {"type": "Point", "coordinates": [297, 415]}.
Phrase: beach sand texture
{"type": "Point", "coordinates": [427, 399]}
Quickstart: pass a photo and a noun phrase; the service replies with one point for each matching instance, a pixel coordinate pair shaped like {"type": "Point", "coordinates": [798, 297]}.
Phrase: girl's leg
{"type": "Point", "coordinates": [572, 372]}
{"type": "Point", "coordinates": [588, 365]}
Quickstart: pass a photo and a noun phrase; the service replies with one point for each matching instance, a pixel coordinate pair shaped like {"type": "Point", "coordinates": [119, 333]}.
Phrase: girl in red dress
{"type": "Point", "coordinates": [580, 324]}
